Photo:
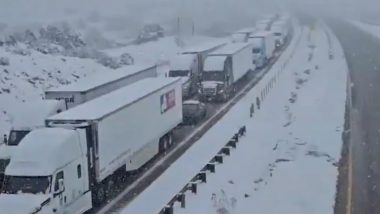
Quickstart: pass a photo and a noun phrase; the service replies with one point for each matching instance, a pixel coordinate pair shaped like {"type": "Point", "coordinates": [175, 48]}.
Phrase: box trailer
{"type": "Point", "coordinates": [243, 34]}
{"type": "Point", "coordinates": [263, 47]}
{"type": "Point", "coordinates": [71, 165]}
{"type": "Point", "coordinates": [99, 84]}
{"type": "Point", "coordinates": [263, 24]}
{"type": "Point", "coordinates": [223, 69]}
{"type": "Point", "coordinates": [280, 32]}
{"type": "Point", "coordinates": [201, 51]}
{"type": "Point", "coordinates": [185, 66]}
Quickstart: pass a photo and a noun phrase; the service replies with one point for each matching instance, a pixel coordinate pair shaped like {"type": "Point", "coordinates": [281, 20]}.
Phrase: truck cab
{"type": "Point", "coordinates": [258, 52]}
{"type": "Point", "coordinates": [278, 29]}
{"type": "Point", "coordinates": [23, 124]}
{"type": "Point", "coordinates": [52, 181]}
{"type": "Point", "coordinates": [217, 79]}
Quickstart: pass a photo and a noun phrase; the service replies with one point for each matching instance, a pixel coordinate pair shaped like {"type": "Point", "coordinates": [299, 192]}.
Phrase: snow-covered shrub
{"type": "Point", "coordinates": [108, 61]}
{"type": "Point", "coordinates": [21, 51]}
{"type": "Point", "coordinates": [10, 41]}
{"type": "Point", "coordinates": [4, 61]}
{"type": "Point", "coordinates": [126, 59]}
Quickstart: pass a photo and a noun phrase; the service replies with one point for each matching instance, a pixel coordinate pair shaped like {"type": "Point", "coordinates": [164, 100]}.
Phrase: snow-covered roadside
{"type": "Point", "coordinates": [374, 30]}
{"type": "Point", "coordinates": [162, 50]}
{"type": "Point", "coordinates": [23, 81]}
{"type": "Point", "coordinates": [286, 162]}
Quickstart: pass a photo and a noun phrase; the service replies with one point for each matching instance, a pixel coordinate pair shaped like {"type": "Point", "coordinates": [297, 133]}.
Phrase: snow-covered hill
{"type": "Point", "coordinates": [23, 80]}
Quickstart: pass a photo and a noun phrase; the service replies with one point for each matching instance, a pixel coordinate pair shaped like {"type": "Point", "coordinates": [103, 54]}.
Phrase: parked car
{"type": "Point", "coordinates": [193, 112]}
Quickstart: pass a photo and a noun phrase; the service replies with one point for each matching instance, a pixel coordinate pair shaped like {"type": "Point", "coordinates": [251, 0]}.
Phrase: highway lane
{"type": "Point", "coordinates": [363, 57]}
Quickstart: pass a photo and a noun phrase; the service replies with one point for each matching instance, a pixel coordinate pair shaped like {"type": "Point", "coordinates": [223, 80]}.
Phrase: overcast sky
{"type": "Point", "coordinates": [117, 14]}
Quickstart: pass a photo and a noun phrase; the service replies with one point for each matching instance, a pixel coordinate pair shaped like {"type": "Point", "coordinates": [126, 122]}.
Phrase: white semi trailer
{"type": "Point", "coordinates": [63, 98]}
{"type": "Point", "coordinates": [243, 34]}
{"type": "Point", "coordinates": [185, 66]}
{"type": "Point", "coordinates": [223, 69]}
{"type": "Point", "coordinates": [69, 166]}
{"type": "Point", "coordinates": [280, 32]}
{"type": "Point", "coordinates": [99, 84]}
{"type": "Point", "coordinates": [263, 24]}
{"type": "Point", "coordinates": [202, 50]}
{"type": "Point", "coordinates": [263, 47]}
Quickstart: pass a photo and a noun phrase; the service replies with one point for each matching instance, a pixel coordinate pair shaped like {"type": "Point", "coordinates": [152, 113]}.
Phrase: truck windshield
{"type": "Point", "coordinates": [16, 136]}
{"type": "Point", "coordinates": [213, 76]}
{"type": "Point", "coordinates": [178, 73]}
{"type": "Point", "coordinates": [23, 184]}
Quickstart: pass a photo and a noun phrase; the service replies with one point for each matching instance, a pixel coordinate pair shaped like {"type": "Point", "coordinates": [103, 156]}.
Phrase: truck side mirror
{"type": "Point", "coordinates": [61, 188]}
{"type": "Point", "coordinates": [5, 139]}
{"type": "Point", "coordinates": [61, 185]}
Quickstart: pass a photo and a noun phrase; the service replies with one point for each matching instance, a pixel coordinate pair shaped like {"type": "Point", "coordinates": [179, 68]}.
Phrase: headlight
{"type": "Point", "coordinates": [221, 91]}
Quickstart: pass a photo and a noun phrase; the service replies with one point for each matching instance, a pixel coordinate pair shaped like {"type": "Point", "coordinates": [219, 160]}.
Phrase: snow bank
{"type": "Point", "coordinates": [164, 49]}
{"type": "Point", "coordinates": [24, 80]}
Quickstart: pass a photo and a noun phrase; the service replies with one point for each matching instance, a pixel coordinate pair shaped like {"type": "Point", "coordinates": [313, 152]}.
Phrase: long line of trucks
{"type": "Point", "coordinates": [69, 166]}
{"type": "Point", "coordinates": [101, 129]}
{"type": "Point", "coordinates": [65, 97]}
{"type": "Point", "coordinates": [263, 47]}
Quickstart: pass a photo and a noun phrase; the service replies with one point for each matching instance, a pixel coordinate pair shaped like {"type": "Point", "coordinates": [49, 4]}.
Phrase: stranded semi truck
{"type": "Point", "coordinates": [223, 68]}
{"type": "Point", "coordinates": [60, 99]}
{"type": "Point", "coordinates": [264, 45]}
{"type": "Point", "coordinates": [71, 165]}
{"type": "Point", "coordinates": [100, 84]}
{"type": "Point", "coordinates": [188, 65]}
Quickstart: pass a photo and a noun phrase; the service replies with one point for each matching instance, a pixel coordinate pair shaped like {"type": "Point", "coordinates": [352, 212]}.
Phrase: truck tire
{"type": "Point", "coordinates": [99, 195]}
{"type": "Point", "coordinates": [163, 144]}
{"type": "Point", "coordinates": [170, 139]}
{"type": "Point", "coordinates": [109, 188]}
{"type": "Point", "coordinates": [224, 98]}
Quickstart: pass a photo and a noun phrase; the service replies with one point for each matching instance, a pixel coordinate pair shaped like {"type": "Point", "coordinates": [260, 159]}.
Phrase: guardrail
{"type": "Point", "coordinates": [201, 176]}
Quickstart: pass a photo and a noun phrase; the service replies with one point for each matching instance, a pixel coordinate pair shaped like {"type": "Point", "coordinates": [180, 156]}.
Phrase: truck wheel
{"type": "Point", "coordinates": [170, 139]}
{"type": "Point", "coordinates": [100, 195]}
{"type": "Point", "coordinates": [109, 190]}
{"type": "Point", "coordinates": [163, 144]}
{"type": "Point", "coordinates": [224, 97]}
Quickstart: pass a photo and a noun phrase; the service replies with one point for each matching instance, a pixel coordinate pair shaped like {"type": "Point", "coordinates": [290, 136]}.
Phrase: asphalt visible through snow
{"type": "Point", "coordinates": [363, 57]}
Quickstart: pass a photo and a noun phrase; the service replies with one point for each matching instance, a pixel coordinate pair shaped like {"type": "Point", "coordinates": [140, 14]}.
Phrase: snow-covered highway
{"type": "Point", "coordinates": [285, 151]}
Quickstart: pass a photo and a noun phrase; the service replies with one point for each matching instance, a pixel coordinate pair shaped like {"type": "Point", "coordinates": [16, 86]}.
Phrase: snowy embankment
{"type": "Point", "coordinates": [374, 30]}
{"type": "Point", "coordinates": [161, 51]}
{"type": "Point", "coordinates": [287, 161]}
{"type": "Point", "coordinates": [24, 78]}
